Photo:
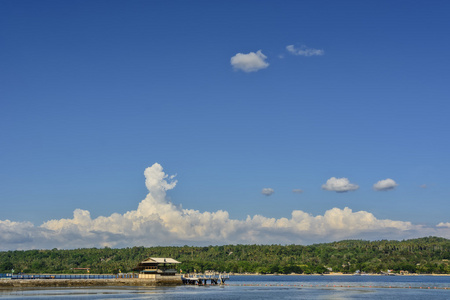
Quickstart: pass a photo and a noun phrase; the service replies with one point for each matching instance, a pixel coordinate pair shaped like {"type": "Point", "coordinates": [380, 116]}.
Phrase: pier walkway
{"type": "Point", "coordinates": [202, 279]}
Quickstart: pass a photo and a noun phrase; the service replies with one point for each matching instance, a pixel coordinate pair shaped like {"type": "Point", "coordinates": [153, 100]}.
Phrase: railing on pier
{"type": "Point", "coordinates": [5, 275]}
{"type": "Point", "coordinates": [72, 276]}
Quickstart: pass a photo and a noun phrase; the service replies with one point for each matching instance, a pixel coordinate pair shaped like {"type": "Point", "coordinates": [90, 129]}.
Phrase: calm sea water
{"type": "Point", "coordinates": [265, 287]}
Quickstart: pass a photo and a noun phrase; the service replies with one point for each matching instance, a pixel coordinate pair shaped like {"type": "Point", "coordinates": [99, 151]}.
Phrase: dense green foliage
{"type": "Point", "coordinates": [424, 255]}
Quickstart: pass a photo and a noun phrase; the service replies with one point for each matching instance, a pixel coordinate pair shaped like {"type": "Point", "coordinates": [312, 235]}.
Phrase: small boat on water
{"type": "Point", "coordinates": [359, 273]}
{"type": "Point", "coordinates": [388, 273]}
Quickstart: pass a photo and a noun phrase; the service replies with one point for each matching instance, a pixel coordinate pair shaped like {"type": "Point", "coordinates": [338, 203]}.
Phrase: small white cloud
{"type": "Point", "coordinates": [297, 191]}
{"type": "Point", "coordinates": [267, 191]}
{"type": "Point", "coordinates": [424, 186]}
{"type": "Point", "coordinates": [250, 62]}
{"type": "Point", "coordinates": [304, 51]}
{"type": "Point", "coordinates": [340, 185]}
{"type": "Point", "coordinates": [385, 185]}
{"type": "Point", "coordinates": [442, 224]}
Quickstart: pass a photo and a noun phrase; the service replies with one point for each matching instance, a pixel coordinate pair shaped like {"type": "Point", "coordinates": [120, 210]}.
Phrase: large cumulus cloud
{"type": "Point", "coordinates": [157, 221]}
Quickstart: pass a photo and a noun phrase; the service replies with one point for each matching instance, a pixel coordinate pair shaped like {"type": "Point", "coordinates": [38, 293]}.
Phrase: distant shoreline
{"type": "Point", "coordinates": [333, 274]}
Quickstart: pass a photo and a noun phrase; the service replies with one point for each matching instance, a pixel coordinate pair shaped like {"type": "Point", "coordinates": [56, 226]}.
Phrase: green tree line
{"type": "Point", "coordinates": [424, 256]}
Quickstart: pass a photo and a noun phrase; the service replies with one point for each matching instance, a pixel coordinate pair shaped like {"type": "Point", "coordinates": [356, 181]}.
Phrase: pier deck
{"type": "Point", "coordinates": [202, 279]}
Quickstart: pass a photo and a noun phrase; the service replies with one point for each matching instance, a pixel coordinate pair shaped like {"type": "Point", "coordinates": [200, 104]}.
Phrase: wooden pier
{"type": "Point", "coordinates": [202, 279]}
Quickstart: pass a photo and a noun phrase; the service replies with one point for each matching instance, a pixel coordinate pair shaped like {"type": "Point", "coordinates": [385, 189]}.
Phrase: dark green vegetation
{"type": "Point", "coordinates": [424, 255]}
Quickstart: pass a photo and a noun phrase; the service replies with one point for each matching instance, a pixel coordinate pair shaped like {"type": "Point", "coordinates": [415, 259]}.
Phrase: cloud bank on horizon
{"type": "Point", "coordinates": [157, 221]}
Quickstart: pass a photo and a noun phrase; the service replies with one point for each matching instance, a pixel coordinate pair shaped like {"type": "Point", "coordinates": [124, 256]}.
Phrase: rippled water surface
{"type": "Point", "coordinates": [264, 287]}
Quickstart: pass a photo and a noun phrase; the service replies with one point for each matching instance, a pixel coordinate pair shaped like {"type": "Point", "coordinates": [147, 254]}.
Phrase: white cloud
{"type": "Point", "coordinates": [385, 185]}
{"type": "Point", "coordinates": [16, 232]}
{"type": "Point", "coordinates": [442, 224]}
{"type": "Point", "coordinates": [157, 221]}
{"type": "Point", "coordinates": [339, 185]}
{"type": "Point", "coordinates": [297, 191]}
{"type": "Point", "coordinates": [304, 51]}
{"type": "Point", "coordinates": [250, 62]}
{"type": "Point", "coordinates": [424, 186]}
{"type": "Point", "coordinates": [267, 191]}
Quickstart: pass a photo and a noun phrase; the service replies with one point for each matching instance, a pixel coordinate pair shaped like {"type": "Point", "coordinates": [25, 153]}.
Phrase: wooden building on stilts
{"type": "Point", "coordinates": [154, 267]}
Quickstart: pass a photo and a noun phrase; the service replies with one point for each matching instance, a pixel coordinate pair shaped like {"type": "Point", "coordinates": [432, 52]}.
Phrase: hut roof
{"type": "Point", "coordinates": [161, 260]}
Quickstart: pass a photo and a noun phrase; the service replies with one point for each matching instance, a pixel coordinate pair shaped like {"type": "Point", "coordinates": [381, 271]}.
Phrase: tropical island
{"type": "Point", "coordinates": [428, 255]}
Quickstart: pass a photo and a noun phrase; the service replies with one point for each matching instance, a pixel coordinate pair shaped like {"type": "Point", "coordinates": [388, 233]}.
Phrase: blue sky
{"type": "Point", "coordinates": [94, 92]}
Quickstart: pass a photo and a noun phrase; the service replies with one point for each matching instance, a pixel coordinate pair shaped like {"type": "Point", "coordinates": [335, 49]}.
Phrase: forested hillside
{"type": "Point", "coordinates": [424, 255]}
